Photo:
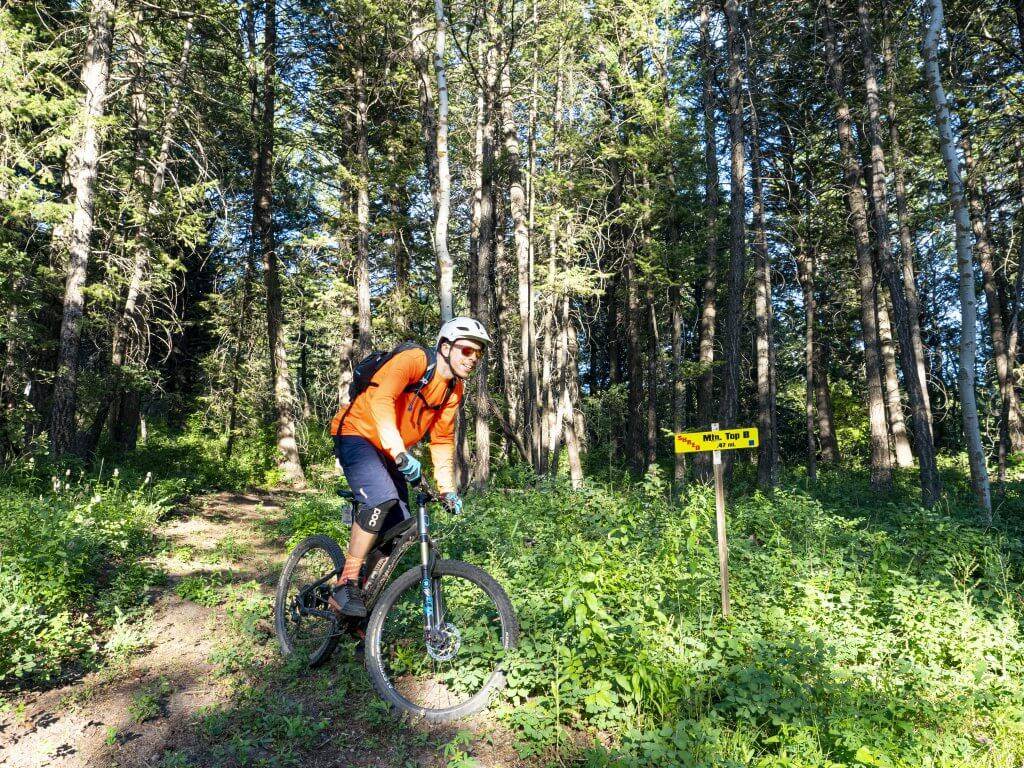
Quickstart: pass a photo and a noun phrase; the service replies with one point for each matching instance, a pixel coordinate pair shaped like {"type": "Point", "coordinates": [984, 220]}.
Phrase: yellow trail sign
{"type": "Point", "coordinates": [716, 440]}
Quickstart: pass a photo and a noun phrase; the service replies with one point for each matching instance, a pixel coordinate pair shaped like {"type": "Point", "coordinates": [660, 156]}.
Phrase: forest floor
{"type": "Point", "coordinates": [199, 681]}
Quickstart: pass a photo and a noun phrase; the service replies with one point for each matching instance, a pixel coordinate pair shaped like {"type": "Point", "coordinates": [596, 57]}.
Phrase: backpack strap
{"type": "Point", "coordinates": [428, 374]}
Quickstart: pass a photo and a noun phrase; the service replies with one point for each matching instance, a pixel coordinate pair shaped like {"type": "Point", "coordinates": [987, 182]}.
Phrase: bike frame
{"type": "Point", "coordinates": [433, 599]}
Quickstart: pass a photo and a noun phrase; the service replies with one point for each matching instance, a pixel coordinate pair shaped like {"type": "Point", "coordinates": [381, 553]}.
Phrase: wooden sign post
{"type": "Point", "coordinates": [717, 441]}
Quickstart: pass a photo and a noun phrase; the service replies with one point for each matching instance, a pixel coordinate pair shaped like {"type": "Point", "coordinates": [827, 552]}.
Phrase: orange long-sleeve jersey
{"type": "Point", "coordinates": [382, 414]}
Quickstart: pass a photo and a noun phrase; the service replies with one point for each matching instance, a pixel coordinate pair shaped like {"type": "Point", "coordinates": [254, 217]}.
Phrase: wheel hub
{"type": "Point", "coordinates": [443, 643]}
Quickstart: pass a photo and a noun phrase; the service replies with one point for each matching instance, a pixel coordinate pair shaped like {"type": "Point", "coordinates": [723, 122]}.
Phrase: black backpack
{"type": "Point", "coordinates": [366, 369]}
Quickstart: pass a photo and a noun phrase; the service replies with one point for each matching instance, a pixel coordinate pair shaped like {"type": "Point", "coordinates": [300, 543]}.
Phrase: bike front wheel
{"type": "Point", "coordinates": [304, 624]}
{"type": "Point", "coordinates": [453, 673]}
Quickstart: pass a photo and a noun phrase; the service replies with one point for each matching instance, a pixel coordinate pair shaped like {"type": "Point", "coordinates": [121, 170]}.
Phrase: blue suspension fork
{"type": "Point", "coordinates": [433, 603]}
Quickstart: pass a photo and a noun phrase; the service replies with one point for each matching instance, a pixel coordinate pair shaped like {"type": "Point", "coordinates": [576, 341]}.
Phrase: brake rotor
{"type": "Point", "coordinates": [443, 644]}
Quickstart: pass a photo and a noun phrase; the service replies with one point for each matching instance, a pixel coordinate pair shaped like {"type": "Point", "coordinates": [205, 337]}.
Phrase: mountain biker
{"type": "Point", "coordinates": [373, 434]}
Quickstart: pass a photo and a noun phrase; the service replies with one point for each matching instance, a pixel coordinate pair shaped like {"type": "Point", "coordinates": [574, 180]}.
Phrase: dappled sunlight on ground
{"type": "Point", "coordinates": [200, 682]}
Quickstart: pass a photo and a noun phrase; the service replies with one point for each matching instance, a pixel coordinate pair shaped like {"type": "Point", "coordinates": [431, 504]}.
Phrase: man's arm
{"type": "Point", "coordinates": [394, 376]}
{"type": "Point", "coordinates": [442, 444]}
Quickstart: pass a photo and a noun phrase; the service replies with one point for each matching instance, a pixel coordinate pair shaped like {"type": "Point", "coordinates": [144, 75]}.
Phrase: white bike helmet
{"type": "Point", "coordinates": [464, 328]}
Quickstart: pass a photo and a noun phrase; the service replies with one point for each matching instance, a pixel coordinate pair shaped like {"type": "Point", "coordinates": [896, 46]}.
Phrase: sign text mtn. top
{"type": "Point", "coordinates": [717, 440]}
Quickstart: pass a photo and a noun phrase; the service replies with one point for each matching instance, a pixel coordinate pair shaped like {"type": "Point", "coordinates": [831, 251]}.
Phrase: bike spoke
{"type": "Point", "coordinates": [421, 671]}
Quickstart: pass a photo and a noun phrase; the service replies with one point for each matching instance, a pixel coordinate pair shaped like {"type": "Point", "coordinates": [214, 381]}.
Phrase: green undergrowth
{"type": "Point", "coordinates": [865, 630]}
{"type": "Point", "coordinates": [70, 570]}
{"type": "Point", "coordinates": [279, 713]}
{"type": "Point", "coordinates": [73, 541]}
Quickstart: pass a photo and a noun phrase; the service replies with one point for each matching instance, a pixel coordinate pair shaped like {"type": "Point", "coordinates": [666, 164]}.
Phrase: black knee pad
{"type": "Point", "coordinates": [372, 518]}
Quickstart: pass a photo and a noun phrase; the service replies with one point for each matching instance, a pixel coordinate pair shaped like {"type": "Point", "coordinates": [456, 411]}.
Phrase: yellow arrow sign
{"type": "Point", "coordinates": [718, 440]}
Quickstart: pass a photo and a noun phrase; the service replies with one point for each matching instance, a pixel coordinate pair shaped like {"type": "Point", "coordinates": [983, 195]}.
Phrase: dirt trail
{"type": "Point", "coordinates": [197, 691]}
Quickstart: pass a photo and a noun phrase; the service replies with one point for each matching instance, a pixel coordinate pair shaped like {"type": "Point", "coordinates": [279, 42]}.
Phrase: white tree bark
{"type": "Point", "coordinates": [84, 165]}
{"type": "Point", "coordinates": [445, 267]}
{"type": "Point", "coordinates": [362, 269]}
{"type": "Point", "coordinates": [521, 231]}
{"type": "Point", "coordinates": [964, 260]}
{"type": "Point", "coordinates": [149, 189]}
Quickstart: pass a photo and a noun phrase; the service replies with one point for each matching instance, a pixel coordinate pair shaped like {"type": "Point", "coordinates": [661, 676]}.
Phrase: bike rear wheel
{"type": "Point", "coordinates": [304, 624]}
{"type": "Point", "coordinates": [453, 674]}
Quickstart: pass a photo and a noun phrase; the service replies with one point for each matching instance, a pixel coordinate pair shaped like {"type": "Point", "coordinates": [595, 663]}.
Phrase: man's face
{"type": "Point", "coordinates": [464, 356]}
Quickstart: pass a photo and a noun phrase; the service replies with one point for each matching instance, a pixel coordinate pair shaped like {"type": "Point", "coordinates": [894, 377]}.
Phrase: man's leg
{"type": "Point", "coordinates": [359, 546]}
{"type": "Point", "coordinates": [371, 480]}
{"type": "Point", "coordinates": [365, 529]}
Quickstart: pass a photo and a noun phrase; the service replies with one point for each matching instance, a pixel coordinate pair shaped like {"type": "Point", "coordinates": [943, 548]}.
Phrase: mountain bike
{"type": "Point", "coordinates": [436, 637]}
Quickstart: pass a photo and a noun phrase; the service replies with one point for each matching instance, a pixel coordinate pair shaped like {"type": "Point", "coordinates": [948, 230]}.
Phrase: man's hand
{"type": "Point", "coordinates": [409, 466]}
{"type": "Point", "coordinates": [452, 502]}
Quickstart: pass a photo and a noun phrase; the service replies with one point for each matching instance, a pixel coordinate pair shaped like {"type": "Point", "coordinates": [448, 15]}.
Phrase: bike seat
{"type": "Point", "coordinates": [346, 494]}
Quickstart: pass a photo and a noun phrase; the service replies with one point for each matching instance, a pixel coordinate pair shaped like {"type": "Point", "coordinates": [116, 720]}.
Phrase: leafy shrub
{"type": "Point", "coordinates": [312, 515]}
{"type": "Point", "coordinates": [69, 561]}
{"type": "Point", "coordinates": [865, 629]}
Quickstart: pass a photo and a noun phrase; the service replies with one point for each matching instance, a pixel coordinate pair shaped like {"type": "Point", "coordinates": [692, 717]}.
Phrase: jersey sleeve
{"type": "Point", "coordinates": [442, 444]}
{"type": "Point", "coordinates": [394, 376]}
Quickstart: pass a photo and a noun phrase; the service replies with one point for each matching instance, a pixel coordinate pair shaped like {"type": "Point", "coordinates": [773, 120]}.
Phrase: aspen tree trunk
{"type": "Point", "coordinates": [497, 353]}
{"type": "Point", "coordinates": [505, 317]}
{"type": "Point", "coordinates": [555, 415]}
{"type": "Point", "coordinates": [828, 442]}
{"type": "Point", "coordinates": [485, 254]}
{"type": "Point", "coordinates": [909, 363]}
{"type": "Point", "coordinates": [428, 115]}
{"type": "Point", "coordinates": [890, 381]}
{"type": "Point", "coordinates": [445, 266]}
{"type": "Point", "coordinates": [805, 275]}
{"type": "Point", "coordinates": [462, 449]}
{"type": "Point", "coordinates": [74, 235]}
{"type": "Point", "coordinates": [732, 328]}
{"type": "Point", "coordinates": [477, 174]}
{"type": "Point", "coordinates": [1011, 437]}
{"type": "Point", "coordinates": [768, 450]}
{"type": "Point", "coordinates": [363, 215]}
{"type": "Point", "coordinates": [521, 234]}
{"type": "Point", "coordinates": [965, 261]}
{"type": "Point", "coordinates": [284, 399]}
{"type": "Point", "coordinates": [568, 407]}
{"type": "Point", "coordinates": [557, 397]}
{"type": "Point", "coordinates": [803, 255]}
{"type": "Point", "coordinates": [547, 413]}
{"type": "Point", "coordinates": [346, 352]}
{"type": "Point", "coordinates": [906, 243]}
{"type": "Point", "coordinates": [708, 307]}
{"type": "Point", "coordinates": [881, 466]}
{"type": "Point", "coordinates": [507, 377]}
{"type": "Point", "coordinates": [899, 442]}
